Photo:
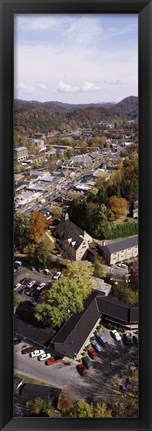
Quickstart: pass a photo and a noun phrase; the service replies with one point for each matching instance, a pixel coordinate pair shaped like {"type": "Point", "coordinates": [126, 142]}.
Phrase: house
{"type": "Point", "coordinates": [81, 160]}
{"type": "Point", "coordinates": [20, 153]}
{"type": "Point", "coordinates": [73, 241]}
{"type": "Point", "coordinates": [39, 143]}
{"type": "Point", "coordinates": [120, 249]}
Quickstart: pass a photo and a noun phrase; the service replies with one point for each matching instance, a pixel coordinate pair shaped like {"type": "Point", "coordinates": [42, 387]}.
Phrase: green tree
{"type": "Point", "coordinates": [102, 195]}
{"type": "Point", "coordinates": [66, 295]}
{"type": "Point", "coordinates": [125, 293]}
{"type": "Point", "coordinates": [99, 269]}
{"type": "Point", "coordinates": [41, 254]}
{"type": "Point", "coordinates": [82, 409]}
{"type": "Point", "coordinates": [37, 405]}
{"type": "Point", "coordinates": [103, 221]}
{"type": "Point", "coordinates": [21, 231]}
{"type": "Point", "coordinates": [102, 410]}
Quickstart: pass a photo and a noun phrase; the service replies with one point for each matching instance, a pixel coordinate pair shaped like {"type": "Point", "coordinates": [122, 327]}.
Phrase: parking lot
{"type": "Point", "coordinates": [110, 369]}
{"type": "Point", "coordinates": [39, 277]}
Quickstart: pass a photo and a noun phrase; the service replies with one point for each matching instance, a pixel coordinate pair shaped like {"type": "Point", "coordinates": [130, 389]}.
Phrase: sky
{"type": "Point", "coordinates": [76, 58]}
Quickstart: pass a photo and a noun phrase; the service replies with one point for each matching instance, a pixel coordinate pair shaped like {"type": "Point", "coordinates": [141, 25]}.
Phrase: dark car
{"type": "Point", "coordinates": [123, 388]}
{"type": "Point", "coordinates": [39, 269]}
{"type": "Point", "coordinates": [127, 339]}
{"type": "Point", "coordinates": [81, 370]}
{"type": "Point", "coordinates": [23, 280]}
{"type": "Point", "coordinates": [87, 363]}
{"type": "Point", "coordinates": [32, 268]}
{"type": "Point", "coordinates": [27, 291]}
{"type": "Point", "coordinates": [102, 339]}
{"type": "Point", "coordinates": [135, 340]}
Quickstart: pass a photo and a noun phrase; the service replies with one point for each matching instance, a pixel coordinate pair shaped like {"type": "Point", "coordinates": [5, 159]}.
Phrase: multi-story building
{"type": "Point", "coordinates": [20, 153]}
{"type": "Point", "coordinates": [73, 240]}
{"type": "Point", "coordinates": [120, 249]}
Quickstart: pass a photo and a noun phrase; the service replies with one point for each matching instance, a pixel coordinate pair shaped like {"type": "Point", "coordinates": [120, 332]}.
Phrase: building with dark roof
{"type": "Point", "coordinates": [71, 339]}
{"type": "Point", "coordinates": [75, 334]}
{"type": "Point", "coordinates": [41, 337]}
{"type": "Point", "coordinates": [118, 311]}
{"type": "Point", "coordinates": [120, 249]}
{"type": "Point", "coordinates": [73, 240]}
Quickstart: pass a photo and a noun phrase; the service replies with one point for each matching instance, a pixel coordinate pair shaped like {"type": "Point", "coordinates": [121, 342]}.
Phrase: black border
{"type": "Point", "coordinates": [144, 9]}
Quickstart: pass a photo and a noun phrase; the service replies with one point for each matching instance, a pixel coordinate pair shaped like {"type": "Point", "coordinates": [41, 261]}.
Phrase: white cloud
{"type": "Point", "coordinates": [24, 88]}
{"type": "Point", "coordinates": [89, 86]}
{"type": "Point", "coordinates": [36, 23]}
{"type": "Point", "coordinates": [41, 86]}
{"type": "Point", "coordinates": [66, 88]}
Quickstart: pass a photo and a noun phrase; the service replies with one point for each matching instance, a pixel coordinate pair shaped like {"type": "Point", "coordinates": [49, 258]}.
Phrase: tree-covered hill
{"type": "Point", "coordinates": [32, 116]}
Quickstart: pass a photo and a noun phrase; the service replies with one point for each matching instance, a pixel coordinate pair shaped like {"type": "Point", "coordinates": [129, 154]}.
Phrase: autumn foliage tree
{"type": "Point", "coordinates": [118, 205]}
{"type": "Point", "coordinates": [37, 226]}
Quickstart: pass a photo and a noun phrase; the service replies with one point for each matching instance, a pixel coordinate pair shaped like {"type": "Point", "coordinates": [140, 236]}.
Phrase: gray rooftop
{"type": "Point", "coordinates": [122, 244]}
{"type": "Point", "coordinates": [20, 148]}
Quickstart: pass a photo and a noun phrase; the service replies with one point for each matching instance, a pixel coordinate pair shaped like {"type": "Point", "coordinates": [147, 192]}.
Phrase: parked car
{"type": "Point", "coordinates": [23, 280]}
{"type": "Point", "coordinates": [46, 271]}
{"type": "Point", "coordinates": [41, 286]}
{"type": "Point", "coordinates": [27, 291]}
{"type": "Point", "coordinates": [39, 269]}
{"type": "Point", "coordinates": [32, 268]}
{"type": "Point", "coordinates": [128, 339]}
{"type": "Point", "coordinates": [44, 356]}
{"type": "Point", "coordinates": [102, 339]}
{"type": "Point", "coordinates": [31, 283]}
{"type": "Point", "coordinates": [87, 363]}
{"type": "Point", "coordinates": [82, 370]}
{"type": "Point", "coordinates": [27, 350]}
{"type": "Point", "coordinates": [27, 281]}
{"type": "Point", "coordinates": [37, 283]}
{"type": "Point", "coordinates": [18, 263]}
{"type": "Point", "coordinates": [35, 353]}
{"type": "Point", "coordinates": [57, 275]}
{"type": "Point", "coordinates": [92, 353]}
{"type": "Point", "coordinates": [52, 361]}
{"type": "Point", "coordinates": [97, 346]}
{"type": "Point", "coordinates": [17, 267]}
{"type": "Point", "coordinates": [135, 339]}
{"type": "Point", "coordinates": [115, 334]}
{"type": "Point", "coordinates": [17, 286]}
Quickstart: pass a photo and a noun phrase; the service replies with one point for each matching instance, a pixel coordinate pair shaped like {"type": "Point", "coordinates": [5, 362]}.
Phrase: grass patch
{"type": "Point", "coordinates": [31, 380]}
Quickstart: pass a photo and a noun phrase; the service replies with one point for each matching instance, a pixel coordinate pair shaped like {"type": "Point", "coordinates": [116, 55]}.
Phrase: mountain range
{"type": "Point", "coordinates": [43, 116]}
